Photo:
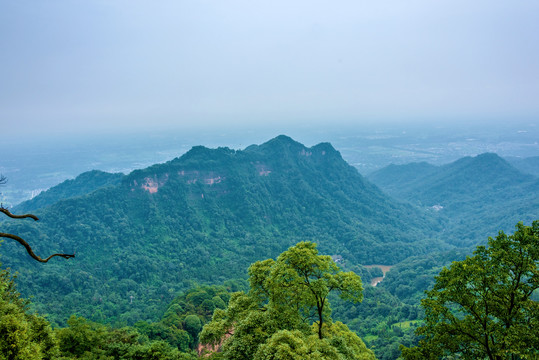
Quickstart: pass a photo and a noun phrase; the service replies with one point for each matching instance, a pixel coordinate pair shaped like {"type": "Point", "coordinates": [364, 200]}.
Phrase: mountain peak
{"type": "Point", "coordinates": [207, 215]}
{"type": "Point", "coordinates": [283, 144]}
{"type": "Point", "coordinates": [491, 158]}
{"type": "Point", "coordinates": [282, 141]}
{"type": "Point", "coordinates": [205, 153]}
{"type": "Point", "coordinates": [325, 148]}
{"type": "Point", "coordinates": [486, 163]}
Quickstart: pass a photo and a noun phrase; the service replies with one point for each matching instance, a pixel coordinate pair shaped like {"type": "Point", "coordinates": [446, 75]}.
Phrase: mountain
{"type": "Point", "coordinates": [529, 165]}
{"type": "Point", "coordinates": [203, 218]}
{"type": "Point", "coordinates": [83, 184]}
{"type": "Point", "coordinates": [474, 196]}
{"type": "Point", "coordinates": [399, 179]}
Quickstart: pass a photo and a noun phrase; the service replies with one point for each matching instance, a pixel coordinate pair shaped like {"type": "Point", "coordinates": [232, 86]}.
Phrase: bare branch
{"type": "Point", "coordinates": [23, 242]}
{"type": "Point", "coordinates": [3, 179]}
{"type": "Point", "coordinates": [8, 213]}
{"type": "Point", "coordinates": [30, 251]}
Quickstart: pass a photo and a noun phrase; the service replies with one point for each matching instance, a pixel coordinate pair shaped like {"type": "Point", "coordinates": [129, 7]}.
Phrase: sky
{"type": "Point", "coordinates": [106, 66]}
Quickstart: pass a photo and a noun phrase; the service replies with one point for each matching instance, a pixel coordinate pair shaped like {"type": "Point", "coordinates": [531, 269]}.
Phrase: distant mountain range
{"type": "Point", "coordinates": [204, 217]}
{"type": "Point", "coordinates": [529, 165]}
{"type": "Point", "coordinates": [474, 197]}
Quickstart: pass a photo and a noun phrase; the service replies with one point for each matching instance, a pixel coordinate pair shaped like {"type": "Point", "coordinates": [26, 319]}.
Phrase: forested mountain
{"type": "Point", "coordinates": [204, 217]}
{"type": "Point", "coordinates": [474, 196]}
{"type": "Point", "coordinates": [529, 165]}
{"type": "Point", "coordinates": [83, 184]}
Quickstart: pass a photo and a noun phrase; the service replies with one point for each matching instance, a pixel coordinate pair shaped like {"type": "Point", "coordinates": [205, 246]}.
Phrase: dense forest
{"type": "Point", "coordinates": [161, 251]}
{"type": "Point", "coordinates": [284, 313]}
{"type": "Point", "coordinates": [203, 218]}
{"type": "Point", "coordinates": [487, 186]}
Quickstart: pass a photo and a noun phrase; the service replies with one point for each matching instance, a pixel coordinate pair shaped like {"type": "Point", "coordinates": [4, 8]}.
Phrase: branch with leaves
{"type": "Point", "coordinates": [23, 242]}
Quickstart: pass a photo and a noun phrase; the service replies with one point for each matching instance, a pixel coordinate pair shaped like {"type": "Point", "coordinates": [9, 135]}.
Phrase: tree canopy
{"type": "Point", "coordinates": [481, 307]}
{"type": "Point", "coordinates": [22, 335]}
{"type": "Point", "coordinates": [286, 314]}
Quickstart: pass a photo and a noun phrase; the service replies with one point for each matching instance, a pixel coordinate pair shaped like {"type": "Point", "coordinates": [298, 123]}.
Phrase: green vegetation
{"type": "Point", "coordinates": [156, 249]}
{"type": "Point", "coordinates": [203, 219]}
{"type": "Point", "coordinates": [378, 320]}
{"type": "Point", "coordinates": [273, 320]}
{"type": "Point", "coordinates": [481, 307]}
{"type": "Point", "coordinates": [409, 279]}
{"type": "Point", "coordinates": [471, 197]}
{"type": "Point", "coordinates": [83, 184]}
{"type": "Point", "coordinates": [23, 335]}
{"type": "Point", "coordinates": [83, 339]}
{"type": "Point", "coordinates": [187, 313]}
{"type": "Point", "coordinates": [286, 313]}
{"type": "Point", "coordinates": [529, 165]}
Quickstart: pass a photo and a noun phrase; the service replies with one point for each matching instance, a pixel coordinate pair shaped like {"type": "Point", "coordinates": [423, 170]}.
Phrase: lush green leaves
{"type": "Point", "coordinates": [481, 307]}
{"type": "Point", "coordinates": [472, 197]}
{"type": "Point", "coordinates": [286, 313]}
{"type": "Point", "coordinates": [83, 339]}
{"type": "Point", "coordinates": [203, 218]}
{"type": "Point", "coordinates": [23, 336]}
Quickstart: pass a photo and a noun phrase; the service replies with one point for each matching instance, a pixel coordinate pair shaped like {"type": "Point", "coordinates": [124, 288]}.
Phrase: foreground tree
{"type": "Point", "coordinates": [286, 313]}
{"type": "Point", "coordinates": [481, 307]}
{"type": "Point", "coordinates": [23, 336]}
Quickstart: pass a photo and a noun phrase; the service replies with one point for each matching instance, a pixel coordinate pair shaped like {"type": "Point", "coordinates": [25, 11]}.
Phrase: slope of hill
{"type": "Point", "coordinates": [83, 184]}
{"type": "Point", "coordinates": [398, 179]}
{"type": "Point", "coordinates": [474, 196]}
{"type": "Point", "coordinates": [204, 217]}
{"type": "Point", "coordinates": [529, 165]}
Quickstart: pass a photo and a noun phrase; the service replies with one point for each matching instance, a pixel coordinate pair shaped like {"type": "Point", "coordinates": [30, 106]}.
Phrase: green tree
{"type": "Point", "coordinates": [84, 339]}
{"type": "Point", "coordinates": [302, 277]}
{"type": "Point", "coordinates": [481, 307]}
{"type": "Point", "coordinates": [193, 325]}
{"type": "Point", "coordinates": [287, 305]}
{"type": "Point", "coordinates": [22, 335]}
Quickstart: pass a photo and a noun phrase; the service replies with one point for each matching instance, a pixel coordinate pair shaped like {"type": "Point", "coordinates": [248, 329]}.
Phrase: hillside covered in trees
{"type": "Point", "coordinates": [285, 314]}
{"type": "Point", "coordinates": [204, 217]}
{"type": "Point", "coordinates": [160, 249]}
{"type": "Point", "coordinates": [472, 197]}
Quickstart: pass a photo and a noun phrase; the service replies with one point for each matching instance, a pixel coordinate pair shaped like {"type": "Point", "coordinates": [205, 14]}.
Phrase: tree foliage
{"type": "Point", "coordinates": [186, 314]}
{"type": "Point", "coordinates": [22, 335]}
{"type": "Point", "coordinates": [286, 313]}
{"type": "Point", "coordinates": [481, 307]}
{"type": "Point", "coordinates": [83, 339]}
{"type": "Point", "coordinates": [28, 336]}
{"type": "Point", "coordinates": [151, 245]}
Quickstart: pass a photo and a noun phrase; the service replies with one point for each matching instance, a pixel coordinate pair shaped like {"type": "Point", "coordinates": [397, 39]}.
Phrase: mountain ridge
{"type": "Point", "coordinates": [483, 192]}
{"type": "Point", "coordinates": [204, 217]}
{"type": "Point", "coordinates": [83, 184]}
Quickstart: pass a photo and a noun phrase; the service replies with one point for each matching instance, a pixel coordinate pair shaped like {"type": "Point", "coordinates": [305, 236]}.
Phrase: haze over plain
{"type": "Point", "coordinates": [98, 67]}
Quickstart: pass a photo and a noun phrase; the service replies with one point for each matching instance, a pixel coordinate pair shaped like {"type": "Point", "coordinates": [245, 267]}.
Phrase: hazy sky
{"type": "Point", "coordinates": [82, 66]}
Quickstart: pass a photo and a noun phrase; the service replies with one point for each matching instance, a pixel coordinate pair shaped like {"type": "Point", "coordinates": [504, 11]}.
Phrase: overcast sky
{"type": "Point", "coordinates": [83, 66]}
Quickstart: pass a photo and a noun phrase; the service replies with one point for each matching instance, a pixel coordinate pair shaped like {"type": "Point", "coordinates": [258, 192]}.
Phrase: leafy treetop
{"type": "Point", "coordinates": [481, 307]}
{"type": "Point", "coordinates": [286, 312]}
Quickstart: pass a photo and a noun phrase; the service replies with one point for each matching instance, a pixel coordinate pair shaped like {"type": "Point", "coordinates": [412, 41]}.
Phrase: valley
{"type": "Point", "coordinates": [378, 279]}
